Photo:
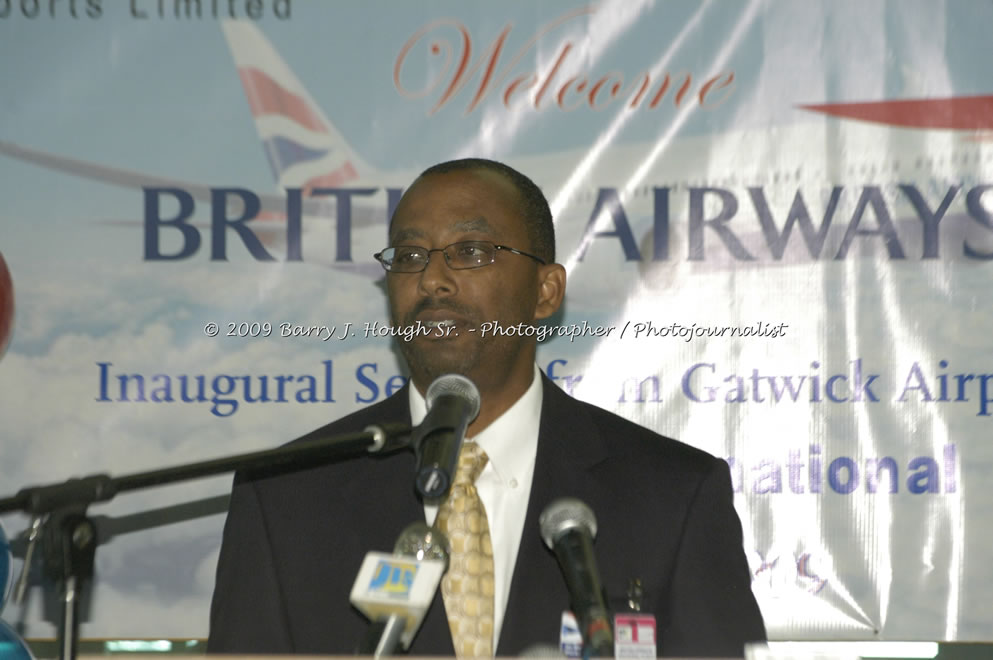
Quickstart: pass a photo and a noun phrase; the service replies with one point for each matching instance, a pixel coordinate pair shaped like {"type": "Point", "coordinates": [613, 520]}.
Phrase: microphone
{"type": "Point", "coordinates": [395, 591]}
{"type": "Point", "coordinates": [453, 402]}
{"type": "Point", "coordinates": [568, 528]}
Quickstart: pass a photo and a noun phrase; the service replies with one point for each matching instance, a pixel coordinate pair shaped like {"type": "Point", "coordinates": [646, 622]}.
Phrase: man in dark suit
{"type": "Point", "coordinates": [471, 242]}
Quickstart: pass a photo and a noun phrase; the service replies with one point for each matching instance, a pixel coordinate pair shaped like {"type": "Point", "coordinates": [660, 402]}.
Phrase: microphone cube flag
{"type": "Point", "coordinates": [389, 585]}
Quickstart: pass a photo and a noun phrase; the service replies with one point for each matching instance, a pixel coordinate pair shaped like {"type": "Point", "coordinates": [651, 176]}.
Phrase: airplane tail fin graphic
{"type": "Point", "coordinates": [303, 147]}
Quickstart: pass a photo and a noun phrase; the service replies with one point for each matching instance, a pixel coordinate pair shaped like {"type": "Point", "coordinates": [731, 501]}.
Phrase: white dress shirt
{"type": "Point", "coordinates": [511, 444]}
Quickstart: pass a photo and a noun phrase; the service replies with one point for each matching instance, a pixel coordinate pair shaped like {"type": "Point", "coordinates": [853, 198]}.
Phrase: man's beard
{"type": "Point", "coordinates": [429, 359]}
{"type": "Point", "coordinates": [427, 365]}
{"type": "Point", "coordinates": [432, 359]}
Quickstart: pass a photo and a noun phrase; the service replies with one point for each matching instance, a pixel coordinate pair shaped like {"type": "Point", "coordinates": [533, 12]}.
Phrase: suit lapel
{"type": "Point", "coordinates": [568, 446]}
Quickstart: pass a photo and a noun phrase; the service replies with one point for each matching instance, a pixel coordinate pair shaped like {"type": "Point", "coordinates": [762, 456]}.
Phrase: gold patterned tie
{"type": "Point", "coordinates": [467, 587]}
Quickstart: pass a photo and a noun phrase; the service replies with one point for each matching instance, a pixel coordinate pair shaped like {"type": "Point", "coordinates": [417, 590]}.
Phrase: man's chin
{"type": "Point", "coordinates": [428, 362]}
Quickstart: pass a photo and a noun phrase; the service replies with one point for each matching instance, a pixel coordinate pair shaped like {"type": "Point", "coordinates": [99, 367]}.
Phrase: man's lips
{"type": "Point", "coordinates": [435, 316]}
{"type": "Point", "coordinates": [438, 325]}
{"type": "Point", "coordinates": [442, 319]}
{"type": "Point", "coordinates": [445, 323]}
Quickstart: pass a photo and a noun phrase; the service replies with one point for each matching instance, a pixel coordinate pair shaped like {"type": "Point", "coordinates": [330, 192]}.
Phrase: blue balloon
{"type": "Point", "coordinates": [12, 647]}
{"type": "Point", "coordinates": [6, 568]}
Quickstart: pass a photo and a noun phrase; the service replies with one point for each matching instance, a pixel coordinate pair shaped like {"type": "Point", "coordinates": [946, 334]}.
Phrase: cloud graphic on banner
{"type": "Point", "coordinates": [162, 576]}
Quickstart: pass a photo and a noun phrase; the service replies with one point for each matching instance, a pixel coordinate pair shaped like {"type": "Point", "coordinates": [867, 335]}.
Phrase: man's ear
{"type": "Point", "coordinates": [551, 290]}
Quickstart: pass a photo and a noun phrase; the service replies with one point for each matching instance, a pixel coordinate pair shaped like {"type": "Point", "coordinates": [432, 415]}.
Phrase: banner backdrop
{"type": "Point", "coordinates": [776, 217]}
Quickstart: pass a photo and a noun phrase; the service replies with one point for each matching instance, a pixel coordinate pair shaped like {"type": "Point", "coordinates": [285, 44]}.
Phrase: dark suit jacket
{"type": "Point", "coordinates": [294, 540]}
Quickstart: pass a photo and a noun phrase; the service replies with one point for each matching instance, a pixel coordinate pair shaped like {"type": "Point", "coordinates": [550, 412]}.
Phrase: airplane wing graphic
{"type": "Point", "coordinates": [121, 177]}
{"type": "Point", "coordinates": [961, 113]}
{"type": "Point", "coordinates": [272, 203]}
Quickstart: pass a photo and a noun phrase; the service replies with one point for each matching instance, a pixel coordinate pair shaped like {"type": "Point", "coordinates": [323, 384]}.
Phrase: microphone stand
{"type": "Point", "coordinates": [69, 536]}
{"type": "Point", "coordinates": [383, 637]}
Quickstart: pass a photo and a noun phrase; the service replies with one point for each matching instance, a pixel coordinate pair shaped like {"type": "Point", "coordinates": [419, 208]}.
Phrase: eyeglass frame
{"type": "Point", "coordinates": [379, 256]}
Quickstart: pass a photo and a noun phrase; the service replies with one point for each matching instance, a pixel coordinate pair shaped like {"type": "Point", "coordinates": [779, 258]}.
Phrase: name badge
{"type": "Point", "coordinates": [634, 635]}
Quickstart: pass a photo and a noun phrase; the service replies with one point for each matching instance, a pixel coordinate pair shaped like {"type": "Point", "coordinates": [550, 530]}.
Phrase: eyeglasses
{"type": "Point", "coordinates": [458, 256]}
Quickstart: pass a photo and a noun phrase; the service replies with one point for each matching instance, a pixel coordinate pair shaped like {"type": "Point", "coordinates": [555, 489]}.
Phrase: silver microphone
{"type": "Point", "coordinates": [568, 528]}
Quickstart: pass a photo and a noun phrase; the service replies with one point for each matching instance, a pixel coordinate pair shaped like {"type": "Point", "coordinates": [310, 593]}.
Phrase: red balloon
{"type": "Point", "coordinates": [6, 306]}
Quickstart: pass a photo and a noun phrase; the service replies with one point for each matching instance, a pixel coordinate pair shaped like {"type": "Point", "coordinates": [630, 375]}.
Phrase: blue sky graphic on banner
{"type": "Point", "coordinates": [776, 218]}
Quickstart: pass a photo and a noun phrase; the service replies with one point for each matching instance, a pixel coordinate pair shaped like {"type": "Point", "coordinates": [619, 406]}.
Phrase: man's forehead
{"type": "Point", "coordinates": [460, 201]}
{"type": "Point", "coordinates": [462, 187]}
{"type": "Point", "coordinates": [477, 224]}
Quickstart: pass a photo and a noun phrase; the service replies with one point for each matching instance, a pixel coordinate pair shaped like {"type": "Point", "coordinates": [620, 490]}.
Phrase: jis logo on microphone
{"type": "Point", "coordinates": [393, 578]}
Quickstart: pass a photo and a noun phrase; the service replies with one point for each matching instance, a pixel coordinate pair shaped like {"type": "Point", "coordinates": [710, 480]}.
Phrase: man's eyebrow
{"type": "Point", "coordinates": [406, 234]}
{"type": "Point", "coordinates": [477, 224]}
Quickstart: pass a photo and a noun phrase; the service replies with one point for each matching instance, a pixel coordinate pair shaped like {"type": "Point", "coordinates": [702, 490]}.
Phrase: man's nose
{"type": "Point", "coordinates": [437, 278]}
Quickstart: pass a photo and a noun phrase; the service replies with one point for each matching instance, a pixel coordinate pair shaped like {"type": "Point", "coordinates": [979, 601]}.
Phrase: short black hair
{"type": "Point", "coordinates": [534, 206]}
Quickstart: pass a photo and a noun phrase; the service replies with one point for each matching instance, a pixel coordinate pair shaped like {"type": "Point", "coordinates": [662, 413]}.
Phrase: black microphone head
{"type": "Point", "coordinates": [457, 385]}
{"type": "Point", "coordinates": [563, 515]}
{"type": "Point", "coordinates": [423, 542]}
{"type": "Point", "coordinates": [452, 403]}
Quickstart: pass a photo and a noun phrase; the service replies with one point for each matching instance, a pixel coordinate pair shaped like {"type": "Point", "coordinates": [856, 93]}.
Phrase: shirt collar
{"type": "Point", "coordinates": [511, 439]}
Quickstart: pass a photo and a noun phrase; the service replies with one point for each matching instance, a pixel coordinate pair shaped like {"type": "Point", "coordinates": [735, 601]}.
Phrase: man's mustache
{"type": "Point", "coordinates": [433, 304]}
